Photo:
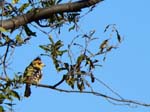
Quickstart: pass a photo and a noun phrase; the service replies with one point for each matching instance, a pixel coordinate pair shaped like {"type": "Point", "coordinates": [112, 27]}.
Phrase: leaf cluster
{"type": "Point", "coordinates": [54, 51]}
{"type": "Point", "coordinates": [8, 92]}
{"type": "Point", "coordinates": [75, 73]}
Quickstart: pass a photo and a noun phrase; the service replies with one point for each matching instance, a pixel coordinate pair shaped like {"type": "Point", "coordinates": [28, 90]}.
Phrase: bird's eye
{"type": "Point", "coordinates": [39, 63]}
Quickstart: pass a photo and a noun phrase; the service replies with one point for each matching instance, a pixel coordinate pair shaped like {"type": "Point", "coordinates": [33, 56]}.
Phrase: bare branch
{"type": "Point", "coordinates": [129, 102]}
{"type": "Point", "coordinates": [105, 85]}
{"type": "Point", "coordinates": [109, 98]}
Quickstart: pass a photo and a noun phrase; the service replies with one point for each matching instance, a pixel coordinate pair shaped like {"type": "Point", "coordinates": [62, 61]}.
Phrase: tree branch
{"type": "Point", "coordinates": [109, 98]}
{"type": "Point", "coordinates": [44, 13]}
{"type": "Point", "coordinates": [126, 101]}
{"type": "Point", "coordinates": [60, 82]}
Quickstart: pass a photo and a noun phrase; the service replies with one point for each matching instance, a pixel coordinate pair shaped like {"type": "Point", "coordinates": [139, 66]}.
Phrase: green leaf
{"type": "Point", "coordinates": [72, 28]}
{"type": "Point", "coordinates": [44, 47]}
{"type": "Point", "coordinates": [56, 63]}
{"type": "Point", "coordinates": [64, 51]}
{"type": "Point", "coordinates": [103, 45]}
{"type": "Point", "coordinates": [90, 63]}
{"type": "Point", "coordinates": [15, 94]}
{"type": "Point", "coordinates": [92, 78]}
{"type": "Point", "coordinates": [60, 53]}
{"type": "Point", "coordinates": [58, 44]}
{"type": "Point", "coordinates": [106, 27]}
{"type": "Point", "coordinates": [70, 81]}
{"type": "Point", "coordinates": [51, 39]}
{"type": "Point", "coordinates": [19, 40]}
{"type": "Point", "coordinates": [80, 58]}
{"type": "Point", "coordinates": [23, 7]}
{"type": "Point", "coordinates": [81, 86]}
{"type": "Point", "coordinates": [110, 48]}
{"type": "Point", "coordinates": [66, 66]}
{"type": "Point", "coordinates": [2, 29]}
{"type": "Point", "coordinates": [1, 98]}
{"type": "Point", "coordinates": [9, 104]}
{"type": "Point", "coordinates": [61, 69]}
{"type": "Point", "coordinates": [15, 1]}
{"type": "Point", "coordinates": [118, 36]}
{"type": "Point", "coordinates": [7, 96]}
{"type": "Point", "coordinates": [1, 109]}
{"type": "Point", "coordinates": [1, 43]}
{"type": "Point", "coordinates": [92, 33]}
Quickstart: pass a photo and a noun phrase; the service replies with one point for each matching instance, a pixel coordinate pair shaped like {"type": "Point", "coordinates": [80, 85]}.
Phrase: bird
{"type": "Point", "coordinates": [32, 74]}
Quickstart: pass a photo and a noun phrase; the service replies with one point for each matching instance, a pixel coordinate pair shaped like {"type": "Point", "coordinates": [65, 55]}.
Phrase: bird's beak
{"type": "Point", "coordinates": [43, 65]}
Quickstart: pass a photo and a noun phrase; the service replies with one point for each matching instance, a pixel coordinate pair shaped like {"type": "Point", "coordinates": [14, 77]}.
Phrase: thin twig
{"type": "Point", "coordinates": [100, 81]}
{"type": "Point", "coordinates": [4, 61]}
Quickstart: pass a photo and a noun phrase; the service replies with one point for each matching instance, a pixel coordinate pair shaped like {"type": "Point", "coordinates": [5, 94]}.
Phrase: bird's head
{"type": "Point", "coordinates": [37, 63]}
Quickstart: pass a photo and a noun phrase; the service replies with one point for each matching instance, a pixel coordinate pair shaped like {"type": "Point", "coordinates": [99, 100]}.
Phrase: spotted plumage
{"type": "Point", "coordinates": [32, 74]}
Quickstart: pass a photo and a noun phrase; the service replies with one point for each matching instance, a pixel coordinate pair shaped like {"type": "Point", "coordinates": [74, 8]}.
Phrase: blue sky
{"type": "Point", "coordinates": [126, 69]}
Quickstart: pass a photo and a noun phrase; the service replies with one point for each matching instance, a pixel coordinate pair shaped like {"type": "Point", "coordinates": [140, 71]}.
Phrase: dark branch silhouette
{"type": "Point", "coordinates": [60, 82]}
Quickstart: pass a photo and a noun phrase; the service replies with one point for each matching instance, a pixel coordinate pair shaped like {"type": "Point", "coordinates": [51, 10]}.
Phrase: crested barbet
{"type": "Point", "coordinates": [32, 74]}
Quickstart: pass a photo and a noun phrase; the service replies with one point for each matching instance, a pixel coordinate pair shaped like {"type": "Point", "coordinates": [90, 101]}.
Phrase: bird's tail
{"type": "Point", "coordinates": [27, 90]}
